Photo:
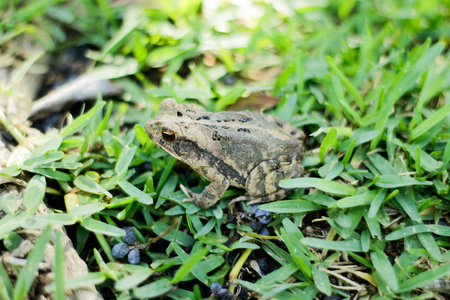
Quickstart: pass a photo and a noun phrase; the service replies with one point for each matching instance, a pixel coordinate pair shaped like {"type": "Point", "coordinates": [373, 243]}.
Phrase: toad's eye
{"type": "Point", "coordinates": [168, 135]}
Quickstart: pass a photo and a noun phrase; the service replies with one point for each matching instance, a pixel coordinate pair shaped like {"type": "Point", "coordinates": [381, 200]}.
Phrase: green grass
{"type": "Point", "coordinates": [368, 81]}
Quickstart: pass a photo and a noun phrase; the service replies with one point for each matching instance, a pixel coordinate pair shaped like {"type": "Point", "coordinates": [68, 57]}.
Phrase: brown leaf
{"type": "Point", "coordinates": [255, 102]}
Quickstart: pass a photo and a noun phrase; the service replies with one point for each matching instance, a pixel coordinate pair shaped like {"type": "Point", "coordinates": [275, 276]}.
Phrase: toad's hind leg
{"type": "Point", "coordinates": [262, 183]}
{"type": "Point", "coordinates": [280, 194]}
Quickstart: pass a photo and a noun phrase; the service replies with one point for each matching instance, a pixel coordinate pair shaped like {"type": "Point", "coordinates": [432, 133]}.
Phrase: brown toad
{"type": "Point", "coordinates": [243, 149]}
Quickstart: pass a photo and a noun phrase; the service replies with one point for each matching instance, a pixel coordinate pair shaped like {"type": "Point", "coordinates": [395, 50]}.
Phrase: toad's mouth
{"type": "Point", "coordinates": [168, 148]}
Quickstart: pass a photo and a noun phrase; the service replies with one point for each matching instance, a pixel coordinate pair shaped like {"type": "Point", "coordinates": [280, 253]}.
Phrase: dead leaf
{"type": "Point", "coordinates": [254, 102]}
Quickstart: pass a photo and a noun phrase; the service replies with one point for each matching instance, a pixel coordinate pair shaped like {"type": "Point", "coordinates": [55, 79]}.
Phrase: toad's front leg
{"type": "Point", "coordinates": [212, 193]}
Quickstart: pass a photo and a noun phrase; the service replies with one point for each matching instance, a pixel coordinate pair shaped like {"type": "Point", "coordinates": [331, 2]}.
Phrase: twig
{"type": "Point", "coordinates": [14, 131]}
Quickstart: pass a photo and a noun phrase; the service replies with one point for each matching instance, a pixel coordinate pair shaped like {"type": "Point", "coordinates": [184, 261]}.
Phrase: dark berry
{"type": "Point", "coordinates": [443, 223]}
{"type": "Point", "coordinates": [224, 294]}
{"type": "Point", "coordinates": [134, 257]}
{"type": "Point", "coordinates": [254, 208]}
{"type": "Point", "coordinates": [261, 213]}
{"type": "Point", "coordinates": [232, 256]}
{"type": "Point", "coordinates": [256, 226]}
{"type": "Point", "coordinates": [229, 79]}
{"type": "Point", "coordinates": [263, 264]}
{"type": "Point", "coordinates": [263, 216]}
{"type": "Point", "coordinates": [265, 220]}
{"type": "Point", "coordinates": [264, 231]}
{"type": "Point", "coordinates": [215, 286]}
{"type": "Point", "coordinates": [130, 236]}
{"type": "Point", "coordinates": [332, 297]}
{"type": "Point", "coordinates": [120, 250]}
{"type": "Point", "coordinates": [232, 219]}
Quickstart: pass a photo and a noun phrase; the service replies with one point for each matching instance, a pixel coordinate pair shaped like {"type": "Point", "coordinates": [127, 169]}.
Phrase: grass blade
{"type": "Point", "coordinates": [321, 280]}
{"type": "Point", "coordinates": [86, 184]}
{"type": "Point", "coordinates": [290, 206]}
{"type": "Point", "coordinates": [328, 142]}
{"type": "Point", "coordinates": [351, 245]}
{"type": "Point", "coordinates": [394, 181]}
{"type": "Point", "coordinates": [34, 194]}
{"type": "Point", "coordinates": [124, 160]}
{"type": "Point", "coordinates": [102, 228]}
{"type": "Point", "coordinates": [424, 278]}
{"type": "Point", "coordinates": [407, 80]}
{"type": "Point", "coordinates": [383, 266]}
{"type": "Point", "coordinates": [81, 122]}
{"type": "Point", "coordinates": [154, 289]}
{"type": "Point", "coordinates": [81, 281]}
{"type": "Point", "coordinates": [60, 271]}
{"type": "Point", "coordinates": [133, 280]}
{"type": "Point", "coordinates": [415, 229]}
{"type": "Point", "coordinates": [29, 271]}
{"type": "Point", "coordinates": [365, 198]}
{"type": "Point", "coordinates": [351, 89]}
{"type": "Point", "coordinates": [326, 186]}
{"type": "Point", "coordinates": [6, 288]}
{"type": "Point", "coordinates": [428, 123]}
{"type": "Point", "coordinates": [190, 264]}
{"type": "Point", "coordinates": [133, 191]}
{"type": "Point", "coordinates": [430, 245]}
